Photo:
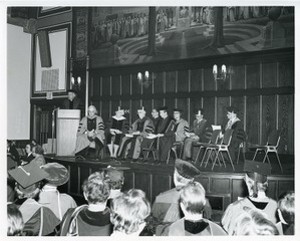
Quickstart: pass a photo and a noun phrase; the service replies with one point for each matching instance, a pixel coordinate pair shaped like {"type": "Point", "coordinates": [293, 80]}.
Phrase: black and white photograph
{"type": "Point", "coordinates": [149, 120]}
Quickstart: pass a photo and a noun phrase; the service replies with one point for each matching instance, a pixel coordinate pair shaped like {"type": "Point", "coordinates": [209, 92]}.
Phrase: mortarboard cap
{"type": "Point", "coordinates": [177, 110]}
{"type": "Point", "coordinates": [165, 108]}
{"type": "Point", "coordinates": [258, 167]}
{"type": "Point", "coordinates": [232, 109]}
{"type": "Point", "coordinates": [115, 173]}
{"type": "Point", "coordinates": [57, 174]}
{"type": "Point", "coordinates": [186, 169]}
{"type": "Point", "coordinates": [28, 175]}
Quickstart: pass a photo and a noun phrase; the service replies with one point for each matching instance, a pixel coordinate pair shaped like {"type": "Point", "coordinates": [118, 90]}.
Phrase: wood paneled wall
{"type": "Point", "coordinates": [261, 86]}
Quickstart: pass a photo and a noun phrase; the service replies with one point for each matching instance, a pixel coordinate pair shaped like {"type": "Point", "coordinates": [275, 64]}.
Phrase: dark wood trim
{"type": "Point", "coordinates": [199, 94]}
{"type": "Point", "coordinates": [51, 12]}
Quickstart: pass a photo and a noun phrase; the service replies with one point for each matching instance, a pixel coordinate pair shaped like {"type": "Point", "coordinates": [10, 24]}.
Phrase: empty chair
{"type": "Point", "coordinates": [223, 147]}
{"type": "Point", "coordinates": [270, 147]}
{"type": "Point", "coordinates": [207, 146]}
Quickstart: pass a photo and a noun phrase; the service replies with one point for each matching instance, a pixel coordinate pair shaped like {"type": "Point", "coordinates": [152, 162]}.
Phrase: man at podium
{"type": "Point", "coordinates": [72, 102]}
{"type": "Point", "coordinates": [90, 134]}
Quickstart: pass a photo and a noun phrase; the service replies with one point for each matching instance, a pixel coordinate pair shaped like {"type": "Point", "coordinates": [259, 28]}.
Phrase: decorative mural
{"type": "Point", "coordinates": [122, 35]}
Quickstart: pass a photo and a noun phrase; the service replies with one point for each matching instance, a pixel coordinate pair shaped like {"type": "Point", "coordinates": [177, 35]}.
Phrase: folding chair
{"type": "Point", "coordinates": [153, 149]}
{"type": "Point", "coordinates": [270, 147]}
{"type": "Point", "coordinates": [176, 144]}
{"type": "Point", "coordinates": [202, 145]}
{"type": "Point", "coordinates": [223, 147]}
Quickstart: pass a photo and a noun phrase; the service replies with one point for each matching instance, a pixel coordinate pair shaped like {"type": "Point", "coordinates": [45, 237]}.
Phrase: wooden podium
{"type": "Point", "coordinates": [67, 122]}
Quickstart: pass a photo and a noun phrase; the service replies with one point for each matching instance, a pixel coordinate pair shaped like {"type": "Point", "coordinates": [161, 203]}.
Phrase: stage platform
{"type": "Point", "coordinates": [222, 185]}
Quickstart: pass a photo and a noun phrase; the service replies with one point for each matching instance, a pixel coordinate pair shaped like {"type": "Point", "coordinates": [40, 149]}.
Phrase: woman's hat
{"type": "Point", "coordinates": [58, 174]}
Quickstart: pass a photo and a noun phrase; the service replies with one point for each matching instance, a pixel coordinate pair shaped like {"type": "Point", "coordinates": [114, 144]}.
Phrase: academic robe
{"type": "Point", "coordinates": [181, 126]}
{"type": "Point", "coordinates": [167, 127]}
{"type": "Point", "coordinates": [235, 209]}
{"type": "Point", "coordinates": [144, 126]}
{"type": "Point", "coordinates": [114, 123]}
{"type": "Point", "coordinates": [184, 227]}
{"type": "Point", "coordinates": [67, 104]}
{"type": "Point", "coordinates": [203, 132]}
{"type": "Point", "coordinates": [82, 140]}
{"type": "Point", "coordinates": [166, 209]}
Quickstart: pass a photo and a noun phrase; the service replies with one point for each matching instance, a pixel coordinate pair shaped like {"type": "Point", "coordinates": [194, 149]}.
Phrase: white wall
{"type": "Point", "coordinates": [18, 83]}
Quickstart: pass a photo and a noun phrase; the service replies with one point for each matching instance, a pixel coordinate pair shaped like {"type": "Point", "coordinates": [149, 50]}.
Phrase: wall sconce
{"type": "Point", "coordinates": [144, 79]}
{"type": "Point", "coordinates": [76, 81]}
{"type": "Point", "coordinates": [220, 73]}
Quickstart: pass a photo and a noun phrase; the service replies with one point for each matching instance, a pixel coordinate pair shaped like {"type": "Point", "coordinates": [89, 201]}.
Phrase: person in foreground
{"type": "Point", "coordinates": [286, 213]}
{"type": "Point", "coordinates": [128, 213]}
{"type": "Point", "coordinates": [92, 219]}
{"type": "Point", "coordinates": [257, 183]}
{"type": "Point", "coordinates": [166, 208]}
{"type": "Point", "coordinates": [15, 222]}
{"type": "Point", "coordinates": [192, 202]}
{"type": "Point", "coordinates": [252, 222]}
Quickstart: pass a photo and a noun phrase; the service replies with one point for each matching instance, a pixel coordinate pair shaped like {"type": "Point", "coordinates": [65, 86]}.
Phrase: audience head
{"type": "Point", "coordinates": [96, 189]}
{"type": "Point", "coordinates": [256, 177]}
{"type": "Point", "coordinates": [15, 222]}
{"type": "Point", "coordinates": [286, 211]}
{"type": "Point", "coordinates": [37, 150]}
{"type": "Point", "coordinates": [252, 222]}
{"type": "Point", "coordinates": [192, 198]}
{"type": "Point", "coordinates": [129, 211]}
{"type": "Point", "coordinates": [155, 113]}
{"type": "Point", "coordinates": [199, 114]}
{"type": "Point", "coordinates": [141, 113]}
{"type": "Point", "coordinates": [115, 176]}
{"type": "Point", "coordinates": [231, 112]}
{"type": "Point", "coordinates": [58, 174]}
{"type": "Point", "coordinates": [163, 112]}
{"type": "Point", "coordinates": [184, 173]}
{"type": "Point", "coordinates": [92, 111]}
{"type": "Point", "coordinates": [28, 148]}
{"type": "Point", "coordinates": [34, 142]}
{"type": "Point", "coordinates": [177, 114]}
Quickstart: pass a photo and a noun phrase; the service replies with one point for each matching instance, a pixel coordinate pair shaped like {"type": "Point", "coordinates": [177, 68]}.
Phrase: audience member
{"type": "Point", "coordinates": [39, 220]}
{"type": "Point", "coordinates": [166, 208]}
{"type": "Point", "coordinates": [29, 156]}
{"type": "Point", "coordinates": [286, 213]}
{"type": "Point", "coordinates": [50, 197]}
{"type": "Point", "coordinates": [90, 131]}
{"type": "Point", "coordinates": [38, 153]}
{"type": "Point", "coordinates": [92, 219]}
{"type": "Point", "coordinates": [15, 222]}
{"type": "Point", "coordinates": [192, 202]}
{"type": "Point", "coordinates": [13, 157]}
{"type": "Point", "coordinates": [252, 222]}
{"type": "Point", "coordinates": [128, 213]}
{"type": "Point", "coordinates": [257, 183]}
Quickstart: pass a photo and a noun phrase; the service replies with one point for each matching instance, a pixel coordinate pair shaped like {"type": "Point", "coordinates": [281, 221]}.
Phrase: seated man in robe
{"type": "Point", "coordinates": [117, 127]}
{"type": "Point", "coordinates": [201, 131]}
{"type": "Point", "coordinates": [73, 101]}
{"type": "Point", "coordinates": [165, 136]}
{"type": "Point", "coordinates": [91, 129]}
{"type": "Point", "coordinates": [181, 126]}
{"type": "Point", "coordinates": [139, 130]}
{"type": "Point", "coordinates": [165, 209]}
{"type": "Point", "coordinates": [192, 202]}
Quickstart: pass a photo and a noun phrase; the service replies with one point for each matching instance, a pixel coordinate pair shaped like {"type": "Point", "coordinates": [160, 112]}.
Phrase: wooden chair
{"type": "Point", "coordinates": [151, 149]}
{"type": "Point", "coordinates": [270, 147]}
{"type": "Point", "coordinates": [223, 147]}
{"type": "Point", "coordinates": [176, 144]}
{"type": "Point", "coordinates": [207, 146]}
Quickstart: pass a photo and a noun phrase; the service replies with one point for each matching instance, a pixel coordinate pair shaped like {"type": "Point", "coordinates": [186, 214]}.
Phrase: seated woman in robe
{"type": "Point", "coordinates": [116, 128]}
